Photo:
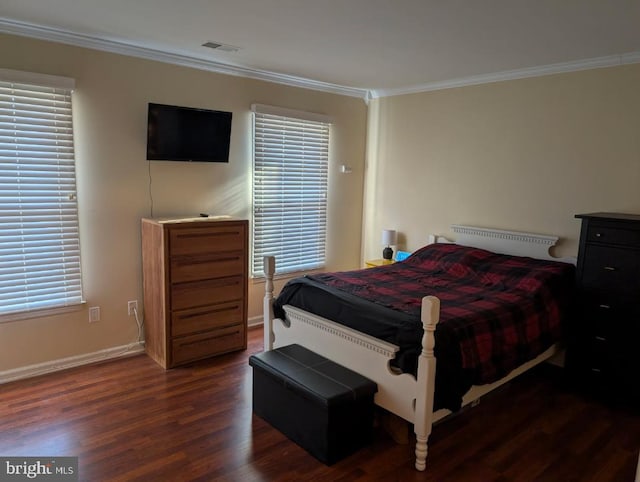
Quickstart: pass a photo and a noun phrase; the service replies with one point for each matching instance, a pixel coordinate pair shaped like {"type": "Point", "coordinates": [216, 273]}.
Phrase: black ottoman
{"type": "Point", "coordinates": [322, 406]}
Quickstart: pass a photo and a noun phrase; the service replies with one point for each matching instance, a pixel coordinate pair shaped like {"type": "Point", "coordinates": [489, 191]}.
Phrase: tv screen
{"type": "Point", "coordinates": [185, 134]}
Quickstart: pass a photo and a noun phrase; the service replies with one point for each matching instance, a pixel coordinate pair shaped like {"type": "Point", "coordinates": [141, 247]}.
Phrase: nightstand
{"type": "Point", "coordinates": [603, 339]}
{"type": "Point", "coordinates": [372, 263]}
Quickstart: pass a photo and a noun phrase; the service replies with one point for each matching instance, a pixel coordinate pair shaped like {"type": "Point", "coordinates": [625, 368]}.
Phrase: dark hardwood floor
{"type": "Point", "coordinates": [130, 420]}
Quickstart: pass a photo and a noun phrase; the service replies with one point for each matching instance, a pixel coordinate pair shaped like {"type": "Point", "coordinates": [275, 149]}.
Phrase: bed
{"type": "Point", "coordinates": [406, 376]}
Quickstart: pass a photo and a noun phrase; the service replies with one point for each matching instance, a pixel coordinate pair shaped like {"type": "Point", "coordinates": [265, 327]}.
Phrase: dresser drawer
{"type": "Point", "coordinates": [186, 322]}
{"type": "Point", "coordinates": [193, 268]}
{"type": "Point", "coordinates": [607, 311]}
{"type": "Point", "coordinates": [611, 235]}
{"type": "Point", "coordinates": [203, 240]}
{"type": "Point", "coordinates": [202, 293]}
{"type": "Point", "coordinates": [614, 269]}
{"type": "Point", "coordinates": [611, 331]}
{"type": "Point", "coordinates": [203, 345]}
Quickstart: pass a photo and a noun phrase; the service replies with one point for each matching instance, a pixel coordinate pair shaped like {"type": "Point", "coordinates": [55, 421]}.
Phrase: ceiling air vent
{"type": "Point", "coordinates": [221, 47]}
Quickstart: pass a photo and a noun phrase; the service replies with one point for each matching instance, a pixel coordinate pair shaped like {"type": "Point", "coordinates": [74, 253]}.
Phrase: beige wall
{"type": "Point", "coordinates": [522, 155]}
{"type": "Point", "coordinates": [110, 109]}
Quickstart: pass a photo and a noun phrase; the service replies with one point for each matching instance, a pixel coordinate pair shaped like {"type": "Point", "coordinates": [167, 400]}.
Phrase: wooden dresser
{"type": "Point", "coordinates": [195, 288]}
{"type": "Point", "coordinates": [605, 337]}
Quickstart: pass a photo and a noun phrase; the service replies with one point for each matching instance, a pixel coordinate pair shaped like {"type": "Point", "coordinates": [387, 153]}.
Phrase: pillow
{"type": "Point", "coordinates": [453, 259]}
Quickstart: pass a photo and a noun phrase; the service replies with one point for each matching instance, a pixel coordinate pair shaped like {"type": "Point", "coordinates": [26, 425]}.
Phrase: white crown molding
{"type": "Point", "coordinates": [70, 362]}
{"type": "Point", "coordinates": [25, 29]}
{"type": "Point", "coordinates": [573, 66]}
{"type": "Point", "coordinates": [115, 46]}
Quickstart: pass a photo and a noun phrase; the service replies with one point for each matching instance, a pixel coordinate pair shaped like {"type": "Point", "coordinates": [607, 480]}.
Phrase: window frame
{"type": "Point", "coordinates": [290, 125]}
{"type": "Point", "coordinates": [37, 141]}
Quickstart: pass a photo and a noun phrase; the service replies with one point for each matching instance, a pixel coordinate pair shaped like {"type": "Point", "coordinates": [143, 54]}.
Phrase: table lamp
{"type": "Point", "coordinates": [389, 237]}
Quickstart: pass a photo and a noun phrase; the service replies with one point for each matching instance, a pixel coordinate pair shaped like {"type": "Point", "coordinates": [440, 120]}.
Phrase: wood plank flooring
{"type": "Point", "coordinates": [129, 420]}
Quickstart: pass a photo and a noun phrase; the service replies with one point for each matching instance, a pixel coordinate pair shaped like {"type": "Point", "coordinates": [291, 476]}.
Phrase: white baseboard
{"type": "Point", "coordinates": [255, 320]}
{"type": "Point", "coordinates": [70, 362]}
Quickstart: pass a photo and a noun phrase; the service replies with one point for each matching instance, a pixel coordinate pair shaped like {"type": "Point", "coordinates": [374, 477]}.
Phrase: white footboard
{"type": "Point", "coordinates": [400, 393]}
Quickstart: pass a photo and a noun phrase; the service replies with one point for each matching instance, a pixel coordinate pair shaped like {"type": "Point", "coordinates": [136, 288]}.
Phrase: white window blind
{"type": "Point", "coordinates": [290, 168]}
{"type": "Point", "coordinates": [39, 238]}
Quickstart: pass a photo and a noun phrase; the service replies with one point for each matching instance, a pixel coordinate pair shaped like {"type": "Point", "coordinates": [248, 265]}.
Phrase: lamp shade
{"type": "Point", "coordinates": [389, 237]}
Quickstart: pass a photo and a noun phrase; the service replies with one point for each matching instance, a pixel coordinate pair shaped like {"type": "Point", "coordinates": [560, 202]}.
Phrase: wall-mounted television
{"type": "Point", "coordinates": [186, 134]}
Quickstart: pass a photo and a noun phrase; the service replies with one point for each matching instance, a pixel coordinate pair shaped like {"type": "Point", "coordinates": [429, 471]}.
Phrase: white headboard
{"type": "Point", "coordinates": [499, 241]}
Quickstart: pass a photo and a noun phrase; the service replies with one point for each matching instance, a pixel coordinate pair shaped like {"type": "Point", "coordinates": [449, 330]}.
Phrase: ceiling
{"type": "Point", "coordinates": [356, 47]}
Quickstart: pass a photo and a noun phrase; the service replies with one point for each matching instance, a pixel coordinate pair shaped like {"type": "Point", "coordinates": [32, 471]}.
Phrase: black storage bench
{"type": "Point", "coordinates": [322, 406]}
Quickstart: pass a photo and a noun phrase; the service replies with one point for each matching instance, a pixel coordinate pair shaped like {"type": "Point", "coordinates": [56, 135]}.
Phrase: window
{"type": "Point", "coordinates": [290, 167]}
{"type": "Point", "coordinates": [39, 240]}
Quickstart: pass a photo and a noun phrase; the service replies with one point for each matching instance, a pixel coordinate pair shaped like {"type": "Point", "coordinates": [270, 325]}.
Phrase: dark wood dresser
{"type": "Point", "coordinates": [195, 288]}
{"type": "Point", "coordinates": [604, 344]}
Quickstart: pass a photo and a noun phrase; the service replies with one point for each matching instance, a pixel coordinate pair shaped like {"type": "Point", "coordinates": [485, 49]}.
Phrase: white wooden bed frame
{"type": "Point", "coordinates": [409, 397]}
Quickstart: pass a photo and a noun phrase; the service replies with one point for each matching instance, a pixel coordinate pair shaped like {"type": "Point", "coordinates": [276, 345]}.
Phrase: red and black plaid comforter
{"type": "Point", "coordinates": [500, 310]}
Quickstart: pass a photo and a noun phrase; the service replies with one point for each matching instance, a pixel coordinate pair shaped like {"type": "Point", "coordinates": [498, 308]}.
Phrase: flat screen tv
{"type": "Point", "coordinates": [185, 134]}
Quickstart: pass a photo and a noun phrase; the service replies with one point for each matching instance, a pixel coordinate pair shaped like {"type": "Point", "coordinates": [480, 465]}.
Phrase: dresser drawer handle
{"type": "Point", "coordinates": [609, 268]}
{"type": "Point", "coordinates": [601, 338]}
{"type": "Point", "coordinates": [598, 235]}
{"type": "Point", "coordinates": [191, 262]}
{"type": "Point", "coordinates": [210, 338]}
{"type": "Point", "coordinates": [606, 307]}
{"type": "Point", "coordinates": [207, 312]}
{"type": "Point", "coordinates": [596, 370]}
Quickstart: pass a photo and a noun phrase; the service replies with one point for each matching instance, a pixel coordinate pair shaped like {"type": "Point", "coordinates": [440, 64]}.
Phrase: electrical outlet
{"type": "Point", "coordinates": [94, 314]}
{"type": "Point", "coordinates": [132, 307]}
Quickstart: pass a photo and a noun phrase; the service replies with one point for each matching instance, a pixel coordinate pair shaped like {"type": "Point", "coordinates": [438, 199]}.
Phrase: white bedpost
{"type": "Point", "coordinates": [269, 263]}
{"type": "Point", "coordinates": [426, 379]}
